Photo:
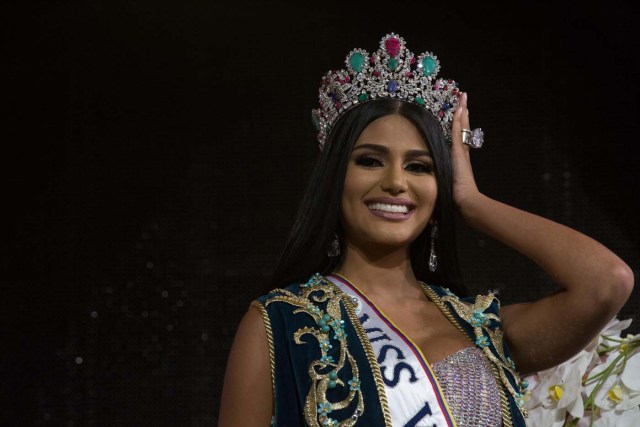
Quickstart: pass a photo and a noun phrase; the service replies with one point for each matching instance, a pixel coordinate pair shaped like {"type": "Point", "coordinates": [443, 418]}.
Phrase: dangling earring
{"type": "Point", "coordinates": [433, 258]}
{"type": "Point", "coordinates": [334, 249]}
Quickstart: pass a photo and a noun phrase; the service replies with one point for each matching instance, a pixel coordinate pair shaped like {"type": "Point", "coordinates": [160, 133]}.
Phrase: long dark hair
{"type": "Point", "coordinates": [318, 218]}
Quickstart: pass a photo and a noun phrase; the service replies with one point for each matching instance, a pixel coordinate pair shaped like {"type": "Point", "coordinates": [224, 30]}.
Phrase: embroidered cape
{"type": "Point", "coordinates": [323, 366]}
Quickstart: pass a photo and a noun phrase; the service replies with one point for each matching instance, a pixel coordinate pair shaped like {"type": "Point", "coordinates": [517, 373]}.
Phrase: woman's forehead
{"type": "Point", "coordinates": [393, 131]}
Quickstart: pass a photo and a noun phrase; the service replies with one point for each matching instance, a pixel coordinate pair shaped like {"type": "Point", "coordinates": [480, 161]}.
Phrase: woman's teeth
{"type": "Point", "coordinates": [388, 207]}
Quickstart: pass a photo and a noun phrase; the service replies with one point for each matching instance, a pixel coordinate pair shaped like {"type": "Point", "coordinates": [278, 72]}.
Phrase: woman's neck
{"type": "Point", "coordinates": [384, 272]}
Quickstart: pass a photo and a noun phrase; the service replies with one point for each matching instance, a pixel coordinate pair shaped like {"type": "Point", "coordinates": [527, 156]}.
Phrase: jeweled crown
{"type": "Point", "coordinates": [392, 71]}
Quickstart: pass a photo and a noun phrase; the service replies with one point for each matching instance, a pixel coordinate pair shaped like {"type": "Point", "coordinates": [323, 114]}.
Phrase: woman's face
{"type": "Point", "coordinates": [390, 186]}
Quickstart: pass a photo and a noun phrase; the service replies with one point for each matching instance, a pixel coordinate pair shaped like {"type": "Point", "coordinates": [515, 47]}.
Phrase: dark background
{"type": "Point", "coordinates": [153, 154]}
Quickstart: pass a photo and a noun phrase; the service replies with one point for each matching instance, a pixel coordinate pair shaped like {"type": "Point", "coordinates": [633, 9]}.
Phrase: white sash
{"type": "Point", "coordinates": [413, 393]}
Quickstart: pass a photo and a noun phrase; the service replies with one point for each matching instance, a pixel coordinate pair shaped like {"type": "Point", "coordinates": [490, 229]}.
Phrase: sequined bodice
{"type": "Point", "coordinates": [470, 388]}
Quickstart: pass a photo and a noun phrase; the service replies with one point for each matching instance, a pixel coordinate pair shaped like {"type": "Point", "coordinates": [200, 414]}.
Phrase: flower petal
{"type": "Point", "coordinates": [631, 374]}
{"type": "Point", "coordinates": [545, 417]}
{"type": "Point", "coordinates": [576, 408]}
{"type": "Point", "coordinates": [632, 402]}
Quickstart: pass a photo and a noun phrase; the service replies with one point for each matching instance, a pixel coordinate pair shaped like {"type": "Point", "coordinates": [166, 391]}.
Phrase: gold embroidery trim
{"type": "Point", "coordinates": [272, 363]}
{"type": "Point", "coordinates": [320, 290]}
{"type": "Point", "coordinates": [467, 311]}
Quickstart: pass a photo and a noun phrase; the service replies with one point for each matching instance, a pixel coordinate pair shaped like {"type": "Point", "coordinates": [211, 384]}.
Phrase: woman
{"type": "Point", "coordinates": [370, 325]}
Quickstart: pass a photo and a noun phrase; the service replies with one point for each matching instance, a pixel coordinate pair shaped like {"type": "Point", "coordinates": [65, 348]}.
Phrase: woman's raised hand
{"type": "Point", "coordinates": [464, 184]}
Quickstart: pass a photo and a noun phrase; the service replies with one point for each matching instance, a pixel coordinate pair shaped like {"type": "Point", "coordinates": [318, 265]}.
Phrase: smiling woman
{"type": "Point", "coordinates": [389, 189]}
{"type": "Point", "coordinates": [366, 321]}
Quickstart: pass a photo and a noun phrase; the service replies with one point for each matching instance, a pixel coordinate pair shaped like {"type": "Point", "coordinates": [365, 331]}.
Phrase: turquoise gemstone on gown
{"type": "Point", "coordinates": [356, 61]}
{"type": "Point", "coordinates": [428, 66]}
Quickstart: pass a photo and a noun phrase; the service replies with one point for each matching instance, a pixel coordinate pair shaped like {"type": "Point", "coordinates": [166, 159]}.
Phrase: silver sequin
{"type": "Point", "coordinates": [470, 388]}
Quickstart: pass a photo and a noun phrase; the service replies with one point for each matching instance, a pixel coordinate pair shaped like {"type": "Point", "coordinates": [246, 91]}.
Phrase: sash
{"type": "Point", "coordinates": [413, 394]}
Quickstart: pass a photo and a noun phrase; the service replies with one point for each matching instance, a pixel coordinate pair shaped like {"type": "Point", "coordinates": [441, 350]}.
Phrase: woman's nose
{"type": "Point", "coordinates": [394, 180]}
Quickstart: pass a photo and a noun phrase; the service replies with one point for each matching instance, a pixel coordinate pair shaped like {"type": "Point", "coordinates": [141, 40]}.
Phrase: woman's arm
{"type": "Point", "coordinates": [247, 394]}
{"type": "Point", "coordinates": [596, 283]}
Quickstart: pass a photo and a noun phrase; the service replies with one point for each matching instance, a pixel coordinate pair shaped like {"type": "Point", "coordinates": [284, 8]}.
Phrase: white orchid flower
{"type": "Point", "coordinates": [599, 386]}
{"type": "Point", "coordinates": [540, 416]}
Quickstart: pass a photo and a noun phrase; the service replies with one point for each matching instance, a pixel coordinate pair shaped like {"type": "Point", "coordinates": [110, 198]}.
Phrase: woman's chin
{"type": "Point", "coordinates": [387, 243]}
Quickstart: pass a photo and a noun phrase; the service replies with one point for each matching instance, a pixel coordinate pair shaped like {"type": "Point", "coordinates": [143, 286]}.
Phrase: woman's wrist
{"type": "Point", "coordinates": [470, 207]}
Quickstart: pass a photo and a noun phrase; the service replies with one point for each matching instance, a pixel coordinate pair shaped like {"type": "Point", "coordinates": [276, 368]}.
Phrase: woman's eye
{"type": "Point", "coordinates": [368, 161]}
{"type": "Point", "coordinates": [420, 167]}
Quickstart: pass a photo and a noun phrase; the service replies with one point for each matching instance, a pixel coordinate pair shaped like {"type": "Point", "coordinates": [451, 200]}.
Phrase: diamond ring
{"type": "Point", "coordinates": [473, 138]}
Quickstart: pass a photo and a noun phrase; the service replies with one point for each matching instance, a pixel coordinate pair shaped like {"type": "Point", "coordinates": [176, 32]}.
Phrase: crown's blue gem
{"type": "Point", "coordinates": [334, 96]}
{"type": "Point", "coordinates": [446, 106]}
{"type": "Point", "coordinates": [428, 66]}
{"type": "Point", "coordinates": [392, 87]}
{"type": "Point", "coordinates": [356, 61]}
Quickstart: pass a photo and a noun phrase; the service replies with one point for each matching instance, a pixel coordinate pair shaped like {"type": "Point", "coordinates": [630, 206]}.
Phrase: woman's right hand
{"type": "Point", "coordinates": [465, 190]}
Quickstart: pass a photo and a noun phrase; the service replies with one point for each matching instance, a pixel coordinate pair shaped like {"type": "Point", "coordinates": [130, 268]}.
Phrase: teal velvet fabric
{"type": "Point", "coordinates": [292, 380]}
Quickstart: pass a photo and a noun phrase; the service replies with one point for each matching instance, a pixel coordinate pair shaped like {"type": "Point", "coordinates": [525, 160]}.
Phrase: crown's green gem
{"type": "Point", "coordinates": [392, 64]}
{"type": "Point", "coordinates": [363, 97]}
{"type": "Point", "coordinates": [428, 66]}
{"type": "Point", "coordinates": [419, 100]}
{"type": "Point", "coordinates": [356, 61]}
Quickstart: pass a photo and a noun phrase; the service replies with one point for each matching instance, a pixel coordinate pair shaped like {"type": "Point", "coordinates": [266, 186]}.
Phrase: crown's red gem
{"type": "Point", "coordinates": [392, 45]}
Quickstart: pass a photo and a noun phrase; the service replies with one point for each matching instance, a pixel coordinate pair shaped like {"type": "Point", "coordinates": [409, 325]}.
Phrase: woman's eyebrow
{"type": "Point", "coordinates": [418, 153]}
{"type": "Point", "coordinates": [375, 147]}
{"type": "Point", "coordinates": [383, 150]}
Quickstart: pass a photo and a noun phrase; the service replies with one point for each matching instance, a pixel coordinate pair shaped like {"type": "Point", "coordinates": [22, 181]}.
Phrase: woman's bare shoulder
{"type": "Point", "coordinates": [247, 394]}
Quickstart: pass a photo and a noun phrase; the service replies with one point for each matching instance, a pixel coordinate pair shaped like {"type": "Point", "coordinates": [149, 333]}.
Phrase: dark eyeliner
{"type": "Point", "coordinates": [368, 161]}
{"type": "Point", "coordinates": [420, 167]}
